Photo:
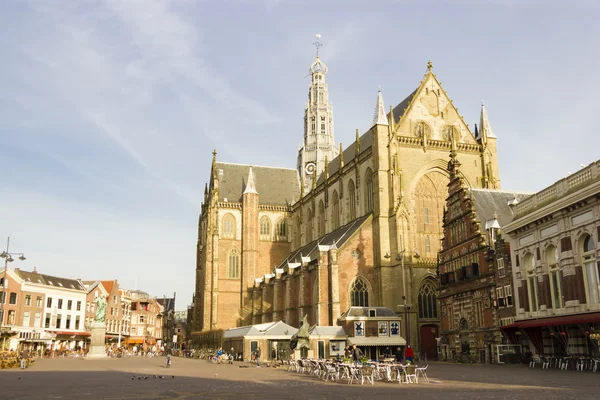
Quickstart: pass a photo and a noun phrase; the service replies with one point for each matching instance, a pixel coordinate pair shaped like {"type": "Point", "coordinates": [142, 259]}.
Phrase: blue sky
{"type": "Point", "coordinates": [109, 110]}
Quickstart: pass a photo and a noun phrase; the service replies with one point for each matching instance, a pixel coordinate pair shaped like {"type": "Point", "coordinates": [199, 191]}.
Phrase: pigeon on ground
{"type": "Point", "coordinates": [171, 377]}
{"type": "Point", "coordinates": [146, 377]}
{"type": "Point", "coordinates": [161, 377]}
{"type": "Point", "coordinates": [154, 376]}
{"type": "Point", "coordinates": [139, 377]}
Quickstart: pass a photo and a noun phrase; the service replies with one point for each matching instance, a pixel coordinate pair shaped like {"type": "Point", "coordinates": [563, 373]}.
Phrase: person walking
{"type": "Point", "coordinates": [24, 356]}
{"type": "Point", "coordinates": [257, 353]}
{"type": "Point", "coordinates": [168, 361]}
{"type": "Point", "coordinates": [356, 354]}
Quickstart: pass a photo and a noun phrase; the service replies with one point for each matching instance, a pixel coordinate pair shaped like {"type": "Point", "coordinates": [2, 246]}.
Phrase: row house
{"type": "Point", "coordinates": [43, 311]}
{"type": "Point", "coordinates": [168, 320]}
{"type": "Point", "coordinates": [471, 292]}
{"type": "Point", "coordinates": [146, 320]}
{"type": "Point", "coordinates": [118, 314]}
{"type": "Point", "coordinates": [556, 267]}
{"type": "Point", "coordinates": [125, 304]}
{"type": "Point", "coordinates": [94, 289]}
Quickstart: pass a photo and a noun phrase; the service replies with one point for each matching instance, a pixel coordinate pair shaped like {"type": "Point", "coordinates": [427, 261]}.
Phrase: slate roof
{"type": "Point", "coordinates": [275, 186]}
{"type": "Point", "coordinates": [167, 302]}
{"type": "Point", "coordinates": [339, 237]}
{"type": "Point", "coordinates": [364, 312]}
{"type": "Point", "coordinates": [399, 109]}
{"type": "Point", "coordinates": [366, 141]}
{"type": "Point", "coordinates": [489, 202]}
{"type": "Point", "coordinates": [328, 331]}
{"type": "Point", "coordinates": [278, 328]}
{"type": "Point", "coordinates": [49, 280]}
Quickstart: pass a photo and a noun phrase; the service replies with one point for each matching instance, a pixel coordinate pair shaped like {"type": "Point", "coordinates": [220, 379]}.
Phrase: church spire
{"type": "Point", "coordinates": [250, 187]}
{"type": "Point", "coordinates": [379, 117]}
{"type": "Point", "coordinates": [485, 130]}
{"type": "Point", "coordinates": [214, 163]}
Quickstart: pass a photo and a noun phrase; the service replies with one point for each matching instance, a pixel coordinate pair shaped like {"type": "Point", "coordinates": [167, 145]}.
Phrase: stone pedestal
{"type": "Point", "coordinates": [97, 348]}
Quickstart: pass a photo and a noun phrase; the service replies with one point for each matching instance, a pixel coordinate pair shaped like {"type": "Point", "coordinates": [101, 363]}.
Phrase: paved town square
{"type": "Point", "coordinates": [143, 378]}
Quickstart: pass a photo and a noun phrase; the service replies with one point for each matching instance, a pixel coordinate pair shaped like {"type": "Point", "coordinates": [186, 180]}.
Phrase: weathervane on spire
{"type": "Point", "coordinates": [317, 43]}
{"type": "Point", "coordinates": [429, 65]}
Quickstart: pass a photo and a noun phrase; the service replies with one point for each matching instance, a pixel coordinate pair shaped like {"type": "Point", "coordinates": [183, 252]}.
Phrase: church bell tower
{"type": "Point", "coordinates": [319, 143]}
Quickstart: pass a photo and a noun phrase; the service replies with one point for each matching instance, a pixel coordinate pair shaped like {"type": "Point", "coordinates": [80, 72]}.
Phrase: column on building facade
{"type": "Point", "coordinates": [544, 287]}
{"type": "Point", "coordinates": [287, 299]}
{"type": "Point", "coordinates": [267, 300]}
{"type": "Point", "coordinates": [250, 231]}
{"type": "Point", "coordinates": [278, 296]}
{"type": "Point", "coordinates": [303, 281]}
{"type": "Point", "coordinates": [322, 277]}
{"type": "Point", "coordinates": [214, 299]}
{"type": "Point", "coordinates": [335, 284]}
{"type": "Point", "coordinates": [381, 206]}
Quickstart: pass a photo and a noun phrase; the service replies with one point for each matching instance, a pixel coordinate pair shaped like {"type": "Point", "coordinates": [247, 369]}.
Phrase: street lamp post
{"type": "Point", "coordinates": [7, 258]}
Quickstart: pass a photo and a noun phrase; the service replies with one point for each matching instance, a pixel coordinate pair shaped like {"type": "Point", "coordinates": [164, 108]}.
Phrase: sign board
{"type": "Point", "coordinates": [174, 338]}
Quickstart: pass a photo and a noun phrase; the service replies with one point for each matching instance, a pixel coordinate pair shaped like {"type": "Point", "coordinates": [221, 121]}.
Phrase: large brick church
{"type": "Point", "coordinates": [349, 226]}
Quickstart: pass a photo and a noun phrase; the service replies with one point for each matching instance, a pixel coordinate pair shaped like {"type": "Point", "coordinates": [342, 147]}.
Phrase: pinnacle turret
{"type": "Point", "coordinates": [485, 130]}
{"type": "Point", "coordinates": [250, 187]}
{"type": "Point", "coordinates": [379, 117]}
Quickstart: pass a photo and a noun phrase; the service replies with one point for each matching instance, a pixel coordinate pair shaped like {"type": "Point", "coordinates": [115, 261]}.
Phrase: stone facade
{"type": "Point", "coordinates": [556, 263]}
{"type": "Point", "coordinates": [391, 182]}
{"type": "Point", "coordinates": [469, 282]}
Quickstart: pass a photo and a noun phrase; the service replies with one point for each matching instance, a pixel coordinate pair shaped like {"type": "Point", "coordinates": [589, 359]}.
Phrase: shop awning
{"type": "Point", "coordinates": [67, 333]}
{"type": "Point", "coordinates": [589, 318]}
{"type": "Point", "coordinates": [377, 341]}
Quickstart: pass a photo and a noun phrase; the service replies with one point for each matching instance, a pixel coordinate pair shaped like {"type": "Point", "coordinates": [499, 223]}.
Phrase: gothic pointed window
{"type": "Point", "coordinates": [265, 228]}
{"type": "Point", "coordinates": [321, 219]}
{"type": "Point", "coordinates": [233, 264]}
{"type": "Point", "coordinates": [297, 234]}
{"type": "Point", "coordinates": [369, 191]}
{"type": "Point", "coordinates": [335, 211]}
{"type": "Point", "coordinates": [352, 200]}
{"type": "Point", "coordinates": [309, 226]}
{"type": "Point", "coordinates": [428, 300]}
{"type": "Point", "coordinates": [281, 230]}
{"type": "Point", "coordinates": [228, 229]}
{"type": "Point", "coordinates": [427, 244]}
{"type": "Point", "coordinates": [359, 293]}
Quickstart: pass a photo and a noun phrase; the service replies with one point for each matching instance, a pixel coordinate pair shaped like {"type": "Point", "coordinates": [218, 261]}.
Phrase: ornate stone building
{"type": "Point", "coordinates": [556, 267]}
{"type": "Point", "coordinates": [359, 227]}
{"type": "Point", "coordinates": [470, 289]}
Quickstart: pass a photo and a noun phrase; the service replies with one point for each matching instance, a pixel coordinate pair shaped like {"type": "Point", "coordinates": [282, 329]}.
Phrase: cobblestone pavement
{"type": "Point", "coordinates": [66, 378]}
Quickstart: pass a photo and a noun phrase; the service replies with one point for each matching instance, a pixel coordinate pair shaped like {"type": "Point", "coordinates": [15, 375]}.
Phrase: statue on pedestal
{"type": "Point", "coordinates": [101, 303]}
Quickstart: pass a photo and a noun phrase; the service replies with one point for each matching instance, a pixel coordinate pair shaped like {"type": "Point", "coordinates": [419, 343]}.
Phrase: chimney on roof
{"type": "Point", "coordinates": [17, 270]}
{"type": "Point", "coordinates": [35, 270]}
